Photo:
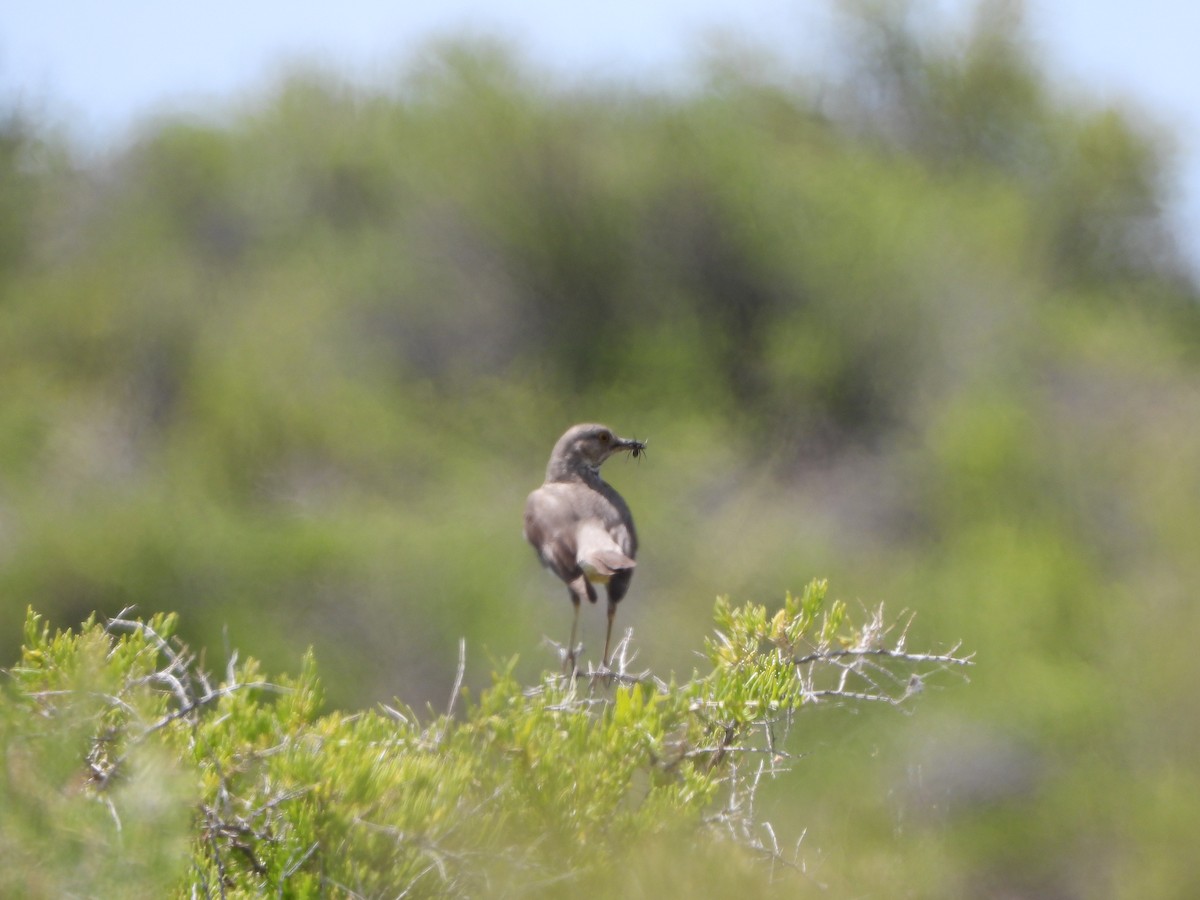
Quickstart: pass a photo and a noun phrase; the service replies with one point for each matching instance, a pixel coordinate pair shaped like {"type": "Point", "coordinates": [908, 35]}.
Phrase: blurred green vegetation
{"type": "Point", "coordinates": [922, 328]}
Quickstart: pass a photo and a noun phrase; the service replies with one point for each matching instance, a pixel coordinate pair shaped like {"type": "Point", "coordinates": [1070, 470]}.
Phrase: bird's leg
{"type": "Point", "coordinates": [612, 611]}
{"type": "Point", "coordinates": [570, 661]}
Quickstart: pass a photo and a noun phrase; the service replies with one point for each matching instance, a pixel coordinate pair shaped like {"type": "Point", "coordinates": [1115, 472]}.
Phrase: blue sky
{"type": "Point", "coordinates": [100, 67]}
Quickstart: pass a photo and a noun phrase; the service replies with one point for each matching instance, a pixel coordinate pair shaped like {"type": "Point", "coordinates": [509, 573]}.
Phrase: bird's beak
{"type": "Point", "coordinates": [633, 446]}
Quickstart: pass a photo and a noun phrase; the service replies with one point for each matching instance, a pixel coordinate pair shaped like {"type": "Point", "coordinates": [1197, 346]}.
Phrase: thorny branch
{"type": "Point", "coordinates": [184, 680]}
{"type": "Point", "coordinates": [868, 671]}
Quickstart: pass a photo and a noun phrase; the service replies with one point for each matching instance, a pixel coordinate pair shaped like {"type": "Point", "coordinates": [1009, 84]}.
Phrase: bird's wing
{"type": "Point", "coordinates": [550, 528]}
{"type": "Point", "coordinates": [612, 508]}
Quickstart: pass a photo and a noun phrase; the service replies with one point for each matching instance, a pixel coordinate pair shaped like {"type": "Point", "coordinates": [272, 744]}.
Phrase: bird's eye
{"type": "Point", "coordinates": [605, 437]}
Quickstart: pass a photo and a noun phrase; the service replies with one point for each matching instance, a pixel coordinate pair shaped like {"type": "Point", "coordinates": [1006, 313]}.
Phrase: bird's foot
{"type": "Point", "coordinates": [570, 660]}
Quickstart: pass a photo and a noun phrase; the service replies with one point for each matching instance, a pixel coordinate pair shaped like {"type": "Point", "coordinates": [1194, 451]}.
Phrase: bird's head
{"type": "Point", "coordinates": [586, 447]}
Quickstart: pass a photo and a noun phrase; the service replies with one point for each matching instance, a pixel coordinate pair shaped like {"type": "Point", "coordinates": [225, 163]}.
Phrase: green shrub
{"type": "Point", "coordinates": [121, 750]}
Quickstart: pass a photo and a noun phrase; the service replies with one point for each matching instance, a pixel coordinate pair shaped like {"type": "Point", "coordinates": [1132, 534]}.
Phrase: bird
{"type": "Point", "coordinates": [580, 526]}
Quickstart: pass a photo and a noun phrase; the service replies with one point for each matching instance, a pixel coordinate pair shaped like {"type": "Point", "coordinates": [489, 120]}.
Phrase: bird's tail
{"type": "Point", "coordinates": [600, 556]}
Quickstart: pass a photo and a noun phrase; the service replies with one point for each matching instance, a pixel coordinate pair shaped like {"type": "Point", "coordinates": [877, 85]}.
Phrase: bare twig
{"type": "Point", "coordinates": [898, 654]}
{"type": "Point", "coordinates": [291, 868]}
{"type": "Point", "coordinates": [458, 677]}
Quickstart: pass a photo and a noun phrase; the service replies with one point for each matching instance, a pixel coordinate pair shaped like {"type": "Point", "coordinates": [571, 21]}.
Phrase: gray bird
{"type": "Point", "coordinates": [580, 527]}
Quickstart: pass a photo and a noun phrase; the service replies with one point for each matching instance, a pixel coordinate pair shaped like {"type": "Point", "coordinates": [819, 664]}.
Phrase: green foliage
{"type": "Point", "coordinates": [85, 802]}
{"type": "Point", "coordinates": [921, 322]}
{"type": "Point", "coordinates": [120, 748]}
